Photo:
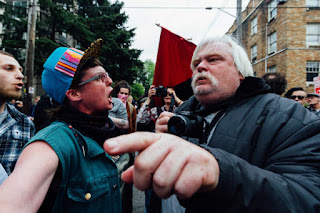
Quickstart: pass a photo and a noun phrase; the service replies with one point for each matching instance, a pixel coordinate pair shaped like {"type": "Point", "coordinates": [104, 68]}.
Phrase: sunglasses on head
{"type": "Point", "coordinates": [300, 97]}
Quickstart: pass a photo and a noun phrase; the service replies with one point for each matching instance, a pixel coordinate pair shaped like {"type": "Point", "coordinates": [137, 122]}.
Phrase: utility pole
{"type": "Point", "coordinates": [30, 46]}
{"type": "Point", "coordinates": [239, 21]}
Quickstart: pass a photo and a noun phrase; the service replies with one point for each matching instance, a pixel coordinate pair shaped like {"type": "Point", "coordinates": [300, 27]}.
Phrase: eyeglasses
{"type": "Point", "coordinates": [300, 97]}
{"type": "Point", "coordinates": [102, 76]}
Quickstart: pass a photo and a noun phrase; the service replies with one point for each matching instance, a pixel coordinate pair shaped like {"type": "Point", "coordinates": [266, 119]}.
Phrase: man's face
{"type": "Point", "coordinates": [10, 78]}
{"type": "Point", "coordinates": [312, 100]}
{"type": "Point", "coordinates": [215, 76]}
{"type": "Point", "coordinates": [299, 96]}
{"type": "Point", "coordinates": [96, 95]}
{"type": "Point", "coordinates": [123, 94]}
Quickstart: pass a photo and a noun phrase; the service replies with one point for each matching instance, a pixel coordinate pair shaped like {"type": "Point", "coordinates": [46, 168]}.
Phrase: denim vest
{"type": "Point", "coordinates": [89, 181]}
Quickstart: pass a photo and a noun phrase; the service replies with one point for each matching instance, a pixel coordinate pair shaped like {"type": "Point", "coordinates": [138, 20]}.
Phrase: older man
{"type": "Point", "coordinates": [259, 152]}
{"type": "Point", "coordinates": [15, 128]}
{"type": "Point", "coordinates": [314, 103]}
{"type": "Point", "coordinates": [64, 168]}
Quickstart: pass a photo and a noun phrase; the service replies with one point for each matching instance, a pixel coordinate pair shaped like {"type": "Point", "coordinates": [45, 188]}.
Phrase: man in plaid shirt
{"type": "Point", "coordinates": [15, 128]}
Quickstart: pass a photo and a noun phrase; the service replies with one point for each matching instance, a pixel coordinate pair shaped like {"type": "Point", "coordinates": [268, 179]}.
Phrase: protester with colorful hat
{"type": "Point", "coordinates": [63, 168]}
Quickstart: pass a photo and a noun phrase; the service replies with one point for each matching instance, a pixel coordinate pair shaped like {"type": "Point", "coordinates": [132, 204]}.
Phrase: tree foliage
{"type": "Point", "coordinates": [14, 22]}
{"type": "Point", "coordinates": [145, 76]}
{"type": "Point", "coordinates": [137, 90]}
{"type": "Point", "coordinates": [63, 21]}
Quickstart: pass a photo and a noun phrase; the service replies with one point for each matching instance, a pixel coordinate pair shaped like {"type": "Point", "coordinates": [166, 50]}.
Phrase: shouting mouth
{"type": "Point", "coordinates": [19, 86]}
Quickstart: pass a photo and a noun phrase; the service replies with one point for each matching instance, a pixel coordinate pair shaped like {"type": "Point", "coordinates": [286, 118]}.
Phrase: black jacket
{"type": "Point", "coordinates": [268, 150]}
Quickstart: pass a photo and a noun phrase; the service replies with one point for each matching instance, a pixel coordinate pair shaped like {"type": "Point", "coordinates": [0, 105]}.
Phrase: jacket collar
{"type": "Point", "coordinates": [249, 87]}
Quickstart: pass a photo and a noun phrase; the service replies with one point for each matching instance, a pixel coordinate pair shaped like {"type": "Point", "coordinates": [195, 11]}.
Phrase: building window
{"type": "Point", "coordinates": [313, 3]}
{"type": "Point", "coordinates": [272, 43]}
{"type": "Point", "coordinates": [313, 35]}
{"type": "Point", "coordinates": [254, 26]}
{"type": "Point", "coordinates": [272, 10]}
{"type": "Point", "coordinates": [22, 4]}
{"type": "Point", "coordinates": [254, 53]}
{"type": "Point", "coordinates": [313, 68]}
{"type": "Point", "coordinates": [20, 8]}
{"type": "Point", "coordinates": [272, 68]}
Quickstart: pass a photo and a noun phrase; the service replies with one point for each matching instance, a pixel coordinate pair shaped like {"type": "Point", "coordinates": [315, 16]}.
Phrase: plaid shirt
{"type": "Point", "coordinates": [15, 131]}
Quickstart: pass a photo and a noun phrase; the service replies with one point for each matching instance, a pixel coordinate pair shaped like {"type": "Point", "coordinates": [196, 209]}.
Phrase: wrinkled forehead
{"type": "Point", "coordinates": [214, 48]}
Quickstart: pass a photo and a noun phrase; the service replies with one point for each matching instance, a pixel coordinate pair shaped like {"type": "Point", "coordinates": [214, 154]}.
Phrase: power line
{"type": "Point", "coordinates": [170, 7]}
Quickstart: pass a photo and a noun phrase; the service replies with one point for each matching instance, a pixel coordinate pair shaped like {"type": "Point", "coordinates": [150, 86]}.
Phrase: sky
{"type": "Point", "coordinates": [187, 18]}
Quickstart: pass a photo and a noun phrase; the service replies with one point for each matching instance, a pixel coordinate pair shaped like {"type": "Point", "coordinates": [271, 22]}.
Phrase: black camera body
{"type": "Point", "coordinates": [186, 124]}
{"type": "Point", "coordinates": [161, 91]}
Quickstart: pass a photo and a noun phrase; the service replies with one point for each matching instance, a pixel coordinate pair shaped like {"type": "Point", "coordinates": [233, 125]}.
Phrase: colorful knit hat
{"type": "Point", "coordinates": [61, 67]}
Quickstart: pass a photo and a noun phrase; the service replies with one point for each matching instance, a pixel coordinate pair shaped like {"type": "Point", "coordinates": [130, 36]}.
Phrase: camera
{"type": "Point", "coordinates": [186, 124]}
{"type": "Point", "coordinates": [161, 91]}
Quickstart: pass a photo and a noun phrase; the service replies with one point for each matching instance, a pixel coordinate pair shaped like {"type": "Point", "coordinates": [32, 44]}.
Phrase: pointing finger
{"type": "Point", "coordinates": [130, 143]}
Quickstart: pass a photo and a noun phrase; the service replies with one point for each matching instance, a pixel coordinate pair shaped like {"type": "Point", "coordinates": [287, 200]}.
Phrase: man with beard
{"type": "Point", "coordinates": [63, 168]}
{"type": "Point", "coordinates": [258, 152]}
{"type": "Point", "coordinates": [15, 128]}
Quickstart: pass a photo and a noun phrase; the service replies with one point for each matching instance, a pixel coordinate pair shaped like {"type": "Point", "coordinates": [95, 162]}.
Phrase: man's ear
{"type": "Point", "coordinates": [240, 76]}
{"type": "Point", "coordinates": [74, 95]}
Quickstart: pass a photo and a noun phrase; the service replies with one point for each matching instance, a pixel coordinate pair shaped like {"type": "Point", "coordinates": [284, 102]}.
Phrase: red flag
{"type": "Point", "coordinates": [173, 60]}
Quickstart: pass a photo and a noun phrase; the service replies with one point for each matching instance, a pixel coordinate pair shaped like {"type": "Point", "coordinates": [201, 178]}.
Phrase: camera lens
{"type": "Point", "coordinates": [177, 125]}
{"type": "Point", "coordinates": [186, 124]}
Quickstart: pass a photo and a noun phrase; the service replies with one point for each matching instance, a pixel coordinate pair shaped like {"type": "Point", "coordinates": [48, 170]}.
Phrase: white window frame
{"type": "Point", "coordinates": [272, 69]}
{"type": "Point", "coordinates": [313, 34]}
{"type": "Point", "coordinates": [254, 25]}
{"type": "Point", "coordinates": [272, 42]}
{"type": "Point", "coordinates": [272, 10]}
{"type": "Point", "coordinates": [312, 3]}
{"type": "Point", "coordinates": [312, 67]}
{"type": "Point", "coordinates": [254, 53]}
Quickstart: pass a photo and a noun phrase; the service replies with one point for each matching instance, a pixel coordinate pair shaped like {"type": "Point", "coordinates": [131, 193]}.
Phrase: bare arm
{"type": "Point", "coordinates": [120, 123]}
{"type": "Point", "coordinates": [26, 188]}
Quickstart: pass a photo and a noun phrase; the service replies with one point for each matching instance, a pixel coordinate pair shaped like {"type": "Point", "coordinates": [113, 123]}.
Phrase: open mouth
{"type": "Point", "coordinates": [19, 86]}
{"type": "Point", "coordinates": [110, 98]}
{"type": "Point", "coordinates": [201, 80]}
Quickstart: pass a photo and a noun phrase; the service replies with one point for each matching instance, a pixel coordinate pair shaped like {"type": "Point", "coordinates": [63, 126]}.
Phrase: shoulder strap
{"type": "Point", "coordinates": [159, 110]}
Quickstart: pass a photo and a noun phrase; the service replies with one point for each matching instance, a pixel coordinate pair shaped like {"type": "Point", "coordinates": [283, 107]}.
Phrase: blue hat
{"type": "Point", "coordinates": [61, 67]}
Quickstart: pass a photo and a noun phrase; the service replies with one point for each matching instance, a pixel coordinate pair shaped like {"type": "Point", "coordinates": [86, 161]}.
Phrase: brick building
{"type": "Point", "coordinates": [283, 36]}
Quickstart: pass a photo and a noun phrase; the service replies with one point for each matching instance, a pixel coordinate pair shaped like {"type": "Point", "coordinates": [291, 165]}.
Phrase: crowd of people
{"type": "Point", "coordinates": [84, 144]}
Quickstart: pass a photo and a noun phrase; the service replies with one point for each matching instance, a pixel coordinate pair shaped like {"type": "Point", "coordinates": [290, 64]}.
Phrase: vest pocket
{"type": "Point", "coordinates": [88, 196]}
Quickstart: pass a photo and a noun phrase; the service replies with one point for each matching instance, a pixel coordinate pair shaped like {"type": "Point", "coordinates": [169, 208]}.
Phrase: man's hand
{"type": "Point", "coordinates": [162, 122]}
{"type": "Point", "coordinates": [168, 164]}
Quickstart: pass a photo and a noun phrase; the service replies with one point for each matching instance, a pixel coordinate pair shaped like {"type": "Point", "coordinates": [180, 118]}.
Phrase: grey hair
{"type": "Point", "coordinates": [238, 53]}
